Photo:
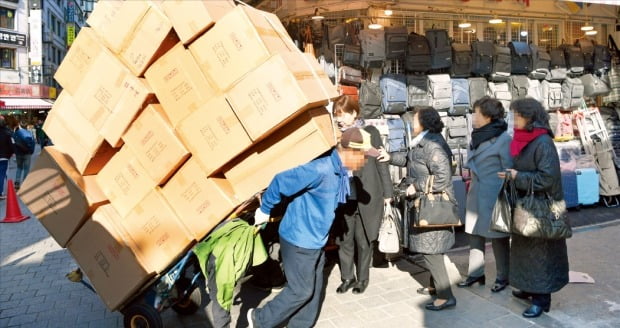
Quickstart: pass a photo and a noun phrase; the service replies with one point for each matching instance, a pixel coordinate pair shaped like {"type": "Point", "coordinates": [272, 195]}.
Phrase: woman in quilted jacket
{"type": "Point", "coordinates": [429, 154]}
{"type": "Point", "coordinates": [538, 266]}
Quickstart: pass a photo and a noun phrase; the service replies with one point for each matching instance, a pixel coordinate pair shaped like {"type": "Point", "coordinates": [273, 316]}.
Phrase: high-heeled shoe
{"type": "Point", "coordinates": [535, 311]}
{"type": "Point", "coordinates": [499, 285]}
{"type": "Point", "coordinates": [451, 302]}
{"type": "Point", "coordinates": [426, 291]}
{"type": "Point", "coordinates": [345, 285]}
{"type": "Point", "coordinates": [471, 280]}
{"type": "Point", "coordinates": [360, 287]}
{"type": "Point", "coordinates": [521, 294]}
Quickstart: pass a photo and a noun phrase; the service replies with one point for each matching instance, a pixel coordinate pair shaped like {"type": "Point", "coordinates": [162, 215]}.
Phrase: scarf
{"type": "Point", "coordinates": [522, 138]}
{"type": "Point", "coordinates": [487, 132]}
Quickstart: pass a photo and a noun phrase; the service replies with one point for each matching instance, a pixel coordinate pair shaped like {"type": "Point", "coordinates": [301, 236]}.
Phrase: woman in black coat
{"type": "Point", "coordinates": [429, 154]}
{"type": "Point", "coordinates": [538, 267]}
{"type": "Point", "coordinates": [360, 218]}
{"type": "Point", "coordinates": [7, 149]}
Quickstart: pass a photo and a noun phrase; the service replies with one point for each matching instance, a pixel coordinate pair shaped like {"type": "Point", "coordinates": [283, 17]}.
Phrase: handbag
{"type": "Point", "coordinates": [537, 216]}
{"type": "Point", "coordinates": [501, 218]}
{"type": "Point", "coordinates": [435, 209]}
{"type": "Point", "coordinates": [389, 231]}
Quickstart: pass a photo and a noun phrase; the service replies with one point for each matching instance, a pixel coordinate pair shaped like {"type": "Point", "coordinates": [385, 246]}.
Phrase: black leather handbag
{"type": "Point", "coordinates": [435, 209]}
{"type": "Point", "coordinates": [501, 218]}
{"type": "Point", "coordinates": [538, 216]}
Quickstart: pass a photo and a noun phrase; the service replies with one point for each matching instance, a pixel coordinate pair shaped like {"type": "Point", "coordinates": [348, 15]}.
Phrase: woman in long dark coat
{"type": "Point", "coordinates": [429, 154]}
{"type": "Point", "coordinates": [538, 267]}
{"type": "Point", "coordinates": [360, 217]}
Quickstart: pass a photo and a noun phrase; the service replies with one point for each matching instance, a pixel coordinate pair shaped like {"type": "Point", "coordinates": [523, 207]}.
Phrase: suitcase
{"type": "Point", "coordinates": [587, 186]}
{"type": "Point", "coordinates": [569, 188]}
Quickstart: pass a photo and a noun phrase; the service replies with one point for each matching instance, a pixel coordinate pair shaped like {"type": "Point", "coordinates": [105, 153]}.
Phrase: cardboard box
{"type": "Point", "coordinates": [156, 233]}
{"type": "Point", "coordinates": [100, 248]}
{"type": "Point", "coordinates": [200, 202]}
{"type": "Point", "coordinates": [178, 83]}
{"type": "Point", "coordinates": [73, 134]}
{"type": "Point", "coordinates": [277, 90]}
{"type": "Point", "coordinates": [154, 143]}
{"type": "Point", "coordinates": [303, 139]}
{"type": "Point", "coordinates": [115, 21]}
{"type": "Point", "coordinates": [125, 181]}
{"type": "Point", "coordinates": [243, 39]}
{"type": "Point", "coordinates": [214, 134]}
{"type": "Point", "coordinates": [192, 18]}
{"type": "Point", "coordinates": [84, 51]}
{"type": "Point", "coordinates": [152, 38]}
{"type": "Point", "coordinates": [56, 193]}
{"type": "Point", "coordinates": [110, 97]}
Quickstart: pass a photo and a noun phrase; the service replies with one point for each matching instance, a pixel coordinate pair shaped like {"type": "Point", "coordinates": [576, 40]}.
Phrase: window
{"type": "Point", "coordinates": [548, 35]}
{"type": "Point", "coordinates": [494, 32]}
{"type": "Point", "coordinates": [435, 24]}
{"type": "Point", "coordinates": [7, 58]}
{"type": "Point", "coordinates": [53, 19]}
{"type": "Point", "coordinates": [463, 35]}
{"type": "Point", "coordinates": [572, 31]}
{"type": "Point", "coordinates": [58, 28]}
{"type": "Point", "coordinates": [7, 18]}
{"type": "Point", "coordinates": [519, 31]}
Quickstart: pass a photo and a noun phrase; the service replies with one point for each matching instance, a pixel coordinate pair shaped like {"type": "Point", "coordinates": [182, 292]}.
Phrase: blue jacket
{"type": "Point", "coordinates": [314, 190]}
{"type": "Point", "coordinates": [24, 142]}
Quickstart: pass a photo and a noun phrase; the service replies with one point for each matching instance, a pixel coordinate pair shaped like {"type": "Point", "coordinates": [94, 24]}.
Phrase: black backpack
{"type": "Point", "coordinates": [558, 59]}
{"type": "Point", "coordinates": [587, 50]}
{"type": "Point", "coordinates": [574, 58]}
{"type": "Point", "coordinates": [502, 63]}
{"type": "Point", "coordinates": [418, 55]}
{"type": "Point", "coordinates": [521, 58]}
{"type": "Point", "coordinates": [441, 51]}
{"type": "Point", "coordinates": [540, 62]}
{"type": "Point", "coordinates": [482, 58]}
{"type": "Point", "coordinates": [602, 58]}
{"type": "Point", "coordinates": [461, 60]}
{"type": "Point", "coordinates": [370, 100]}
{"type": "Point", "coordinates": [395, 42]}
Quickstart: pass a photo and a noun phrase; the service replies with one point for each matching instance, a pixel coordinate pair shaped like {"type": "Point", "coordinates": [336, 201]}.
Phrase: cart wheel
{"type": "Point", "coordinates": [190, 304]}
{"type": "Point", "coordinates": [142, 316]}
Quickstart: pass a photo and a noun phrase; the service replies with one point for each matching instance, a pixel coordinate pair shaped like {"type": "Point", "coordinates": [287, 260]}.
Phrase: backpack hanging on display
{"type": "Point", "coordinates": [602, 58]}
{"type": "Point", "coordinates": [418, 55]}
{"type": "Point", "coordinates": [478, 88]}
{"type": "Point", "coordinates": [370, 100]}
{"type": "Point", "coordinates": [440, 91]}
{"type": "Point", "coordinates": [461, 60]}
{"type": "Point", "coordinates": [540, 62]}
{"type": "Point", "coordinates": [593, 86]}
{"type": "Point", "coordinates": [557, 66]}
{"type": "Point", "coordinates": [501, 64]}
{"type": "Point", "coordinates": [396, 135]}
{"type": "Point", "coordinates": [574, 59]}
{"type": "Point", "coordinates": [441, 51]}
{"type": "Point", "coordinates": [349, 76]}
{"type": "Point", "coordinates": [572, 93]}
{"type": "Point", "coordinates": [417, 90]}
{"type": "Point", "coordinates": [587, 51]}
{"type": "Point", "coordinates": [456, 131]}
{"type": "Point", "coordinates": [373, 47]}
{"type": "Point", "coordinates": [552, 95]}
{"type": "Point", "coordinates": [460, 97]}
{"type": "Point", "coordinates": [501, 92]}
{"type": "Point", "coordinates": [482, 57]}
{"type": "Point", "coordinates": [393, 93]}
{"type": "Point", "coordinates": [395, 42]}
{"type": "Point", "coordinates": [521, 58]}
{"type": "Point", "coordinates": [518, 86]}
{"type": "Point", "coordinates": [534, 90]}
{"type": "Point", "coordinates": [352, 55]}
{"type": "Point", "coordinates": [336, 35]}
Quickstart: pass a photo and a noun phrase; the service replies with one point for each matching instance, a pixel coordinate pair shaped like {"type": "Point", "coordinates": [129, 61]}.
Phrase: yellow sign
{"type": "Point", "coordinates": [70, 34]}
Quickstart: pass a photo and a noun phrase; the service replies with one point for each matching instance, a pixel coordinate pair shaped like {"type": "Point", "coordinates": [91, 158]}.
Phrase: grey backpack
{"type": "Point", "coordinates": [518, 86]}
{"type": "Point", "coordinates": [572, 93]}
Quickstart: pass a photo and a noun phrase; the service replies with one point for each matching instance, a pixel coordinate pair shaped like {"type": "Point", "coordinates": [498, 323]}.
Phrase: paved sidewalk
{"type": "Point", "coordinates": [35, 293]}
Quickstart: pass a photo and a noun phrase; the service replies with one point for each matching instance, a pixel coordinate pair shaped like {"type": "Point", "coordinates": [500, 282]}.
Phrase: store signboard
{"type": "Point", "coordinates": [70, 34]}
{"type": "Point", "coordinates": [36, 74]}
{"type": "Point", "coordinates": [8, 90]}
{"type": "Point", "coordinates": [36, 35]}
{"type": "Point", "coordinates": [12, 38]}
{"type": "Point", "coordinates": [71, 12]}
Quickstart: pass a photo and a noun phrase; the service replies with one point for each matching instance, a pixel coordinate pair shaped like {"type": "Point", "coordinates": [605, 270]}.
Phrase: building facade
{"type": "Point", "coordinates": [13, 42]}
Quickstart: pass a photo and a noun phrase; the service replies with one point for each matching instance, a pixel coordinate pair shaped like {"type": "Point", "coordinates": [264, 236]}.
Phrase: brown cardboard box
{"type": "Point", "coordinates": [178, 83]}
{"type": "Point", "coordinates": [243, 39]}
{"type": "Point", "coordinates": [192, 18]}
{"type": "Point", "coordinates": [214, 134]}
{"type": "Point", "coordinates": [156, 233]}
{"type": "Point", "coordinates": [115, 21]}
{"type": "Point", "coordinates": [112, 267]}
{"type": "Point", "coordinates": [152, 37]}
{"type": "Point", "coordinates": [110, 97]}
{"type": "Point", "coordinates": [277, 90]}
{"type": "Point", "coordinates": [125, 181]}
{"type": "Point", "coordinates": [199, 202]}
{"type": "Point", "coordinates": [84, 51]}
{"type": "Point", "coordinates": [152, 140]}
{"type": "Point", "coordinates": [75, 135]}
{"type": "Point", "coordinates": [304, 138]}
{"type": "Point", "coordinates": [58, 195]}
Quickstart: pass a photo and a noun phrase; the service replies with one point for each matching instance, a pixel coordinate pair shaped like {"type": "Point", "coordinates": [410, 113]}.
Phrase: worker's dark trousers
{"type": "Point", "coordinates": [220, 317]}
{"type": "Point", "coordinates": [299, 300]}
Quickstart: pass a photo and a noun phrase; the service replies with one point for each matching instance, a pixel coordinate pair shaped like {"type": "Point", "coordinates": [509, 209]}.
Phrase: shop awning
{"type": "Point", "coordinates": [25, 103]}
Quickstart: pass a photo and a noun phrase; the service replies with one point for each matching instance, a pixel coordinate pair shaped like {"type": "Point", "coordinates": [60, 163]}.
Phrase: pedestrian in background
{"type": "Point", "coordinates": [7, 149]}
{"type": "Point", "coordinates": [357, 222]}
{"type": "Point", "coordinates": [24, 148]}
{"type": "Point", "coordinates": [429, 154]}
{"type": "Point", "coordinates": [538, 267]}
{"type": "Point", "coordinates": [42, 138]}
{"type": "Point", "coordinates": [488, 154]}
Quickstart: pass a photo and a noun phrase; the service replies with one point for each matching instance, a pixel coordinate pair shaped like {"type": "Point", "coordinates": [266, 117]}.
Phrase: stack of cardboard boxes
{"type": "Point", "coordinates": [172, 114]}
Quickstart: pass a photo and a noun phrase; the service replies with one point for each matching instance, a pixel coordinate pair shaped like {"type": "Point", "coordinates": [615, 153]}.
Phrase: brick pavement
{"type": "Point", "coordinates": [35, 293]}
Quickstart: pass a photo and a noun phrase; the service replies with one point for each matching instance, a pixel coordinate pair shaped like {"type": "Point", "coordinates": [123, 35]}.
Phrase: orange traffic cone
{"type": "Point", "coordinates": [13, 212]}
